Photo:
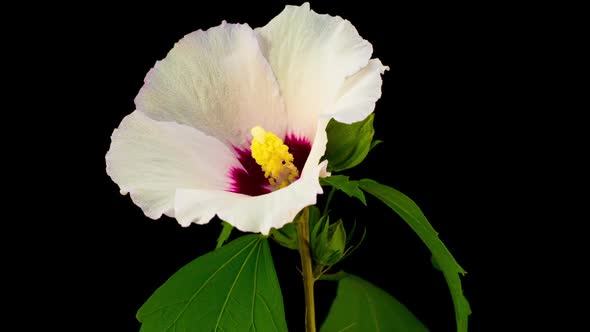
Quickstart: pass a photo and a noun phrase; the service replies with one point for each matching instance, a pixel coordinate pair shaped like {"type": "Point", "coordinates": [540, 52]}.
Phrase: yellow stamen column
{"type": "Point", "coordinates": [273, 156]}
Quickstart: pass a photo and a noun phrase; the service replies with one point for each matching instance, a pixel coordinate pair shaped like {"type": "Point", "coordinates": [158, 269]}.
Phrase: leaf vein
{"type": "Point", "coordinates": [233, 285]}
{"type": "Point", "coordinates": [192, 298]}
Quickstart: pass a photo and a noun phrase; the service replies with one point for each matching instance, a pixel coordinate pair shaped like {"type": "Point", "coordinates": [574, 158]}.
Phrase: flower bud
{"type": "Point", "coordinates": [328, 242]}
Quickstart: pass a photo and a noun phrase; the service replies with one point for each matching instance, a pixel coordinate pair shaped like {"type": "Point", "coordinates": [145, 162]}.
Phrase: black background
{"type": "Point", "coordinates": [442, 119]}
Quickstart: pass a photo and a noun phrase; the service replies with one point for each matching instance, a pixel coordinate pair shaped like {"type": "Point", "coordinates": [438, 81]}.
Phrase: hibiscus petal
{"type": "Point", "coordinates": [257, 213]}
{"type": "Point", "coordinates": [311, 56]}
{"type": "Point", "coordinates": [217, 81]}
{"type": "Point", "coordinates": [151, 159]}
{"type": "Point", "coordinates": [358, 95]}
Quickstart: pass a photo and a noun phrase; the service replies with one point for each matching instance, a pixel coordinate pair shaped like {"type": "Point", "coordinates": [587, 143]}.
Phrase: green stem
{"type": "Point", "coordinates": [317, 271]}
{"type": "Point", "coordinates": [302, 225]}
{"type": "Point", "coordinates": [328, 201]}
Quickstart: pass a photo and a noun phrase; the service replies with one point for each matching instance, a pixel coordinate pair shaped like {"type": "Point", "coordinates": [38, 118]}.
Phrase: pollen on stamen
{"type": "Point", "coordinates": [273, 156]}
{"type": "Point", "coordinates": [258, 134]}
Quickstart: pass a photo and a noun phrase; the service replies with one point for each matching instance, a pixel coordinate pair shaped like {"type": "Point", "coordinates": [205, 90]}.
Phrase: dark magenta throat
{"type": "Point", "coordinates": [251, 181]}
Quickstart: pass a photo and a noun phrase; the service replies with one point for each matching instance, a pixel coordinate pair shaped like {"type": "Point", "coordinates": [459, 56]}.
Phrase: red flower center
{"type": "Point", "coordinates": [251, 181]}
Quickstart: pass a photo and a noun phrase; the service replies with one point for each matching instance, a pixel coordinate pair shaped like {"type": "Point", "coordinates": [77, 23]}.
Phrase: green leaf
{"type": "Point", "coordinates": [412, 214]}
{"type": "Point", "coordinates": [234, 288]}
{"type": "Point", "coordinates": [314, 216]}
{"type": "Point", "coordinates": [374, 144]}
{"type": "Point", "coordinates": [361, 306]}
{"type": "Point", "coordinates": [341, 182]}
{"type": "Point", "coordinates": [224, 235]}
{"type": "Point", "coordinates": [286, 236]}
{"type": "Point", "coordinates": [348, 144]}
{"type": "Point", "coordinates": [434, 263]}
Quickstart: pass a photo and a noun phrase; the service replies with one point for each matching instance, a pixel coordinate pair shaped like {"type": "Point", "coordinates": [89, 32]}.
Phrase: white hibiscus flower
{"type": "Point", "coordinates": [186, 151]}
